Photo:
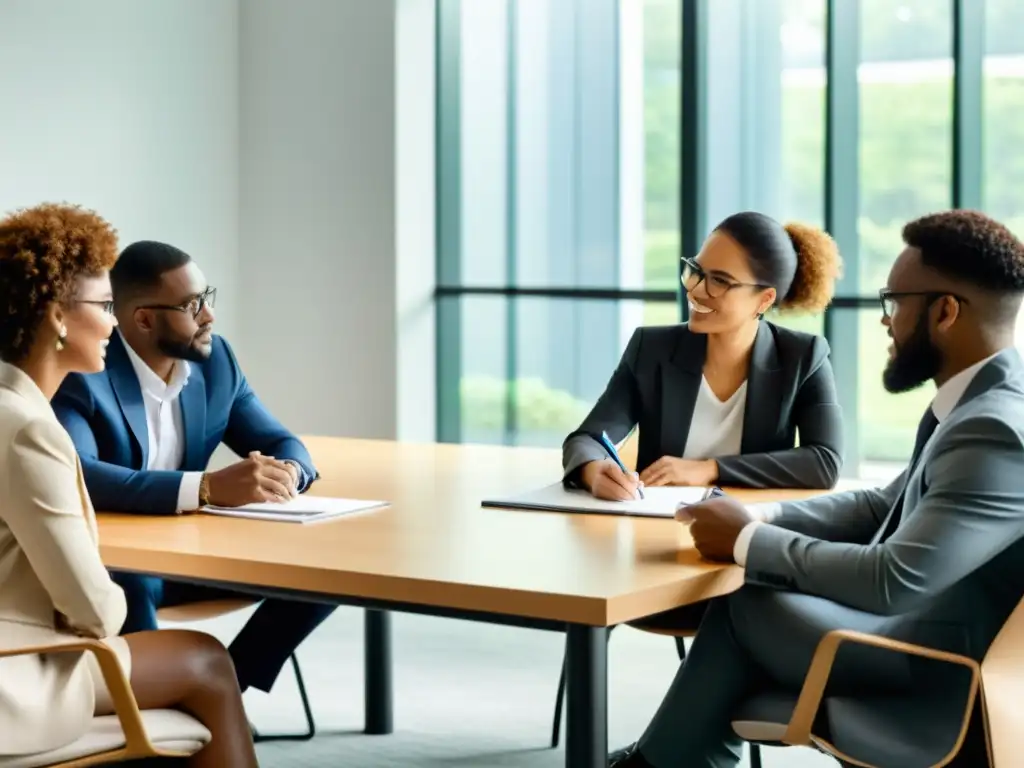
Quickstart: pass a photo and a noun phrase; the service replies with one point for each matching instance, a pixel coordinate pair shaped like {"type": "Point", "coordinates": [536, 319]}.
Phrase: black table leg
{"type": "Point", "coordinates": [377, 652]}
{"type": "Point", "coordinates": [587, 683]}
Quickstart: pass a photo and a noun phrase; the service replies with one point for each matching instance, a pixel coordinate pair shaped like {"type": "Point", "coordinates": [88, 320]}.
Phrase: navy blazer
{"type": "Point", "coordinates": [105, 415]}
{"type": "Point", "coordinates": [790, 388]}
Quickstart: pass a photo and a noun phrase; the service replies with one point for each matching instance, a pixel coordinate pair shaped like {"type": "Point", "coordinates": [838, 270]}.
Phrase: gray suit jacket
{"type": "Point", "coordinates": [957, 556]}
{"type": "Point", "coordinates": [790, 387]}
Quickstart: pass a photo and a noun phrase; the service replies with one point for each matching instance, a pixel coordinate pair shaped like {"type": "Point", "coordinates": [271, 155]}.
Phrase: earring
{"type": "Point", "coordinates": [61, 338]}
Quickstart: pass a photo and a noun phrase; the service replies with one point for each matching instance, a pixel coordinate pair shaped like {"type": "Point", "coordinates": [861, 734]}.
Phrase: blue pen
{"type": "Point", "coordinates": [610, 449]}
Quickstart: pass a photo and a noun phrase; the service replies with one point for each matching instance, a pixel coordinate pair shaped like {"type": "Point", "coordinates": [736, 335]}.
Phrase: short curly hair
{"type": "Point", "coordinates": [43, 251]}
{"type": "Point", "coordinates": [971, 247]}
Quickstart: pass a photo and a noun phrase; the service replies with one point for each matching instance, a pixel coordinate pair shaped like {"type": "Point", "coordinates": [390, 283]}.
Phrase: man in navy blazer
{"type": "Point", "coordinates": [145, 429]}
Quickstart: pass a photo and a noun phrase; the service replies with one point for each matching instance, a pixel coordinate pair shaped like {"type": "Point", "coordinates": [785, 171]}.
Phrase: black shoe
{"type": "Point", "coordinates": [629, 757]}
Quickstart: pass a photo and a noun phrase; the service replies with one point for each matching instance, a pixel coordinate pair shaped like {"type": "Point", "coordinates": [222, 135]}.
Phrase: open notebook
{"type": "Point", "coordinates": [304, 509]}
{"type": "Point", "coordinates": [657, 502]}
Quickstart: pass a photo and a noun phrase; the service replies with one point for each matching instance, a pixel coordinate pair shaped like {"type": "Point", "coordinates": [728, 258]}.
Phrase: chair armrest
{"type": "Point", "coordinates": [798, 732]}
{"type": "Point", "coordinates": [137, 743]}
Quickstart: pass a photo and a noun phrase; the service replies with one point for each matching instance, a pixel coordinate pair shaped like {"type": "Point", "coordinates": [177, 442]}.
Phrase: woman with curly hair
{"type": "Point", "coordinates": [56, 318]}
{"type": "Point", "coordinates": [720, 399]}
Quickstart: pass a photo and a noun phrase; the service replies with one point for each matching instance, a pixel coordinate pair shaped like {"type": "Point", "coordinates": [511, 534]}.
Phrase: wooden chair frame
{"type": "Point", "coordinates": [799, 731]}
{"type": "Point", "coordinates": [137, 743]}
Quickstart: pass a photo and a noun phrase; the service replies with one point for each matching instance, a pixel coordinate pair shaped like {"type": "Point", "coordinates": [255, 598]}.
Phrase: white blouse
{"type": "Point", "coordinates": [717, 427]}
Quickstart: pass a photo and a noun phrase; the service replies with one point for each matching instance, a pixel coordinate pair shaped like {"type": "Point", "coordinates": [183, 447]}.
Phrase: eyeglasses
{"type": "Point", "coordinates": [193, 306]}
{"type": "Point", "coordinates": [716, 285]}
{"type": "Point", "coordinates": [106, 304]}
{"type": "Point", "coordinates": [889, 299]}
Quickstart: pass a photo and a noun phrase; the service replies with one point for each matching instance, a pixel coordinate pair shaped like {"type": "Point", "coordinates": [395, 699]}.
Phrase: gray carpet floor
{"type": "Point", "coordinates": [467, 695]}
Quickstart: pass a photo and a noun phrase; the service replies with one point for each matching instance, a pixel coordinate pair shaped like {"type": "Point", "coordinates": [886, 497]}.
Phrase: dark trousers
{"type": "Point", "coordinates": [259, 651]}
{"type": "Point", "coordinates": [759, 639]}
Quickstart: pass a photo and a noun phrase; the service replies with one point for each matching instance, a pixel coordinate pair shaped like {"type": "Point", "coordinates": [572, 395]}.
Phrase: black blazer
{"type": "Point", "coordinates": [790, 387]}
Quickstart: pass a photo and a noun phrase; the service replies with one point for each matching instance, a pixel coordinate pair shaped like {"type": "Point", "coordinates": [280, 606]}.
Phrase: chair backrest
{"type": "Point", "coordinates": [628, 449]}
{"type": "Point", "coordinates": [1002, 681]}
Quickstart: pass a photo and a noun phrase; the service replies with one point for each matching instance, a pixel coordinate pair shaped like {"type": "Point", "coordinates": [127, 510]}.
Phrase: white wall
{"type": "Point", "coordinates": [130, 108]}
{"type": "Point", "coordinates": [337, 245]}
{"type": "Point", "coordinates": [286, 144]}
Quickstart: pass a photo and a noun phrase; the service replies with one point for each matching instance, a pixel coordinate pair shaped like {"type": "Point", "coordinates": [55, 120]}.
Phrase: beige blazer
{"type": "Point", "coordinates": [53, 584]}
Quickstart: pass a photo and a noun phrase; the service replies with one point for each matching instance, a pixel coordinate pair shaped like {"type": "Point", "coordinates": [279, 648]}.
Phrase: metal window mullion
{"type": "Point", "coordinates": [842, 200]}
{"type": "Point", "coordinates": [511, 239]}
{"type": "Point", "coordinates": [693, 126]}
{"type": "Point", "coordinates": [448, 181]}
{"type": "Point", "coordinates": [968, 82]}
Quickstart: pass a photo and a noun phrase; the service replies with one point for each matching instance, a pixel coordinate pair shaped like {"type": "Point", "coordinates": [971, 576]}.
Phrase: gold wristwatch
{"type": "Point", "coordinates": [204, 490]}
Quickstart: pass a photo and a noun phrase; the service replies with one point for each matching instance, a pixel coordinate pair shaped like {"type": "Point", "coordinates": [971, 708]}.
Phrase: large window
{"type": "Point", "coordinates": [906, 144]}
{"type": "Point", "coordinates": [538, 409]}
{"type": "Point", "coordinates": [1003, 108]}
{"type": "Point", "coordinates": [1003, 129]}
{"type": "Point", "coordinates": [564, 126]}
{"type": "Point", "coordinates": [559, 172]}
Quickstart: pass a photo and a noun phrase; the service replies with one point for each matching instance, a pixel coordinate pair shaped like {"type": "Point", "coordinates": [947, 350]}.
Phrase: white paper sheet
{"type": "Point", "coordinates": [303, 509]}
{"type": "Point", "coordinates": [658, 502]}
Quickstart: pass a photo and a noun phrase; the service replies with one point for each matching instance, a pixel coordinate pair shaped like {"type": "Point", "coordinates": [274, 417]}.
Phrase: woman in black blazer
{"type": "Point", "coordinates": [720, 399]}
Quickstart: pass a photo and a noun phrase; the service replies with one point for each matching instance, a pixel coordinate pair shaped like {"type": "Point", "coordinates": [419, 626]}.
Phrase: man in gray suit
{"type": "Point", "coordinates": [936, 558]}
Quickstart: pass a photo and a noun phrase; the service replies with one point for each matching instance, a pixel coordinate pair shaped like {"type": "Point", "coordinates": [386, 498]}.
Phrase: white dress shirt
{"type": "Point", "coordinates": [945, 400]}
{"type": "Point", "coordinates": [164, 424]}
{"type": "Point", "coordinates": [716, 428]}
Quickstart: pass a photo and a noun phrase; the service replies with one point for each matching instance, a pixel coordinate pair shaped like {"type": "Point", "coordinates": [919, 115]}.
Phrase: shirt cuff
{"type": "Point", "coordinates": [742, 545]}
{"type": "Point", "coordinates": [765, 512]}
{"type": "Point", "coordinates": [188, 491]}
{"type": "Point", "coordinates": [300, 473]}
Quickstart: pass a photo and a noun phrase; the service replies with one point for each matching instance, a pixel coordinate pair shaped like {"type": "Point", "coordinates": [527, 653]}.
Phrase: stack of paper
{"type": "Point", "coordinates": [657, 502]}
{"type": "Point", "coordinates": [304, 509]}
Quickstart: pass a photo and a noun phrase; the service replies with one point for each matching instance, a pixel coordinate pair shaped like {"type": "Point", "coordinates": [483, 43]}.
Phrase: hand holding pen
{"type": "Point", "coordinates": [609, 478]}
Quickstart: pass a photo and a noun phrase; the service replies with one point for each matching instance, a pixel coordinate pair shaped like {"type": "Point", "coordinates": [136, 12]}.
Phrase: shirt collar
{"type": "Point", "coordinates": [949, 394]}
{"type": "Point", "coordinates": [153, 384]}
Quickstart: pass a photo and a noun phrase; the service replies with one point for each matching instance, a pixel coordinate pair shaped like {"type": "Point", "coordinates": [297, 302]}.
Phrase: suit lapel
{"type": "Point", "coordinates": [764, 393]}
{"type": "Point", "coordinates": [680, 384]}
{"type": "Point", "coordinates": [193, 417]}
{"type": "Point", "coordinates": [1006, 364]}
{"type": "Point", "coordinates": [129, 394]}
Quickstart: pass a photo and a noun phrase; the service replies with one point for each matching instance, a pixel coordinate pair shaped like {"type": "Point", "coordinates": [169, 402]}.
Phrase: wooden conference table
{"type": "Point", "coordinates": [435, 550]}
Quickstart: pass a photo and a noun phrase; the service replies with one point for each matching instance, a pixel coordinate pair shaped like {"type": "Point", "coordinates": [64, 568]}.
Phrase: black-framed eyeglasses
{"type": "Point", "coordinates": [107, 305]}
{"type": "Point", "coordinates": [192, 306]}
{"type": "Point", "coordinates": [716, 285]}
{"type": "Point", "coordinates": [889, 299]}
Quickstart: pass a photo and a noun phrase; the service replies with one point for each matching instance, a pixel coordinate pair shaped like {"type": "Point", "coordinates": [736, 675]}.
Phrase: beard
{"type": "Point", "coordinates": [916, 361]}
{"type": "Point", "coordinates": [185, 349]}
